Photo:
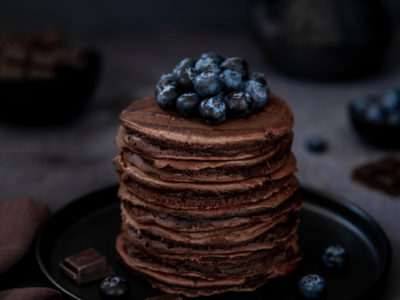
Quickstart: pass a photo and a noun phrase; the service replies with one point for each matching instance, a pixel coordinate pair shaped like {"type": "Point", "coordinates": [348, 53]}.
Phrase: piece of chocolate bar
{"type": "Point", "coordinates": [383, 175]}
{"type": "Point", "coordinates": [10, 70]}
{"type": "Point", "coordinates": [86, 266]}
{"type": "Point", "coordinates": [166, 297]}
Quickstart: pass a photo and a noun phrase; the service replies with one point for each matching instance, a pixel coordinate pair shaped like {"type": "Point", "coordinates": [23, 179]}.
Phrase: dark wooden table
{"type": "Point", "coordinates": [58, 164]}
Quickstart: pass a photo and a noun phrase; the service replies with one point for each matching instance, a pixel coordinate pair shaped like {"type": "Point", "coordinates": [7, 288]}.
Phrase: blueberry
{"type": "Point", "coordinates": [186, 62]}
{"type": "Point", "coordinates": [334, 257]}
{"type": "Point", "coordinates": [312, 286]}
{"type": "Point", "coordinates": [213, 110]}
{"type": "Point", "coordinates": [114, 287]}
{"type": "Point", "coordinates": [207, 84]}
{"type": "Point", "coordinates": [165, 79]}
{"type": "Point", "coordinates": [239, 104]}
{"type": "Point", "coordinates": [188, 104]}
{"type": "Point", "coordinates": [184, 77]}
{"type": "Point", "coordinates": [258, 92]}
{"type": "Point", "coordinates": [207, 64]}
{"type": "Point", "coordinates": [232, 80]}
{"type": "Point", "coordinates": [375, 113]}
{"type": "Point", "coordinates": [236, 64]}
{"type": "Point", "coordinates": [390, 101]}
{"type": "Point", "coordinates": [213, 55]}
{"type": "Point", "coordinates": [316, 144]}
{"type": "Point", "coordinates": [166, 97]}
{"type": "Point", "coordinates": [259, 77]}
{"type": "Point", "coordinates": [360, 105]}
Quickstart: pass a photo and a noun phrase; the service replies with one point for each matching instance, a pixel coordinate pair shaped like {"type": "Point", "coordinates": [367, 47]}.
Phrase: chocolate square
{"type": "Point", "coordinates": [86, 266]}
{"type": "Point", "coordinates": [10, 70]}
{"type": "Point", "coordinates": [383, 175]}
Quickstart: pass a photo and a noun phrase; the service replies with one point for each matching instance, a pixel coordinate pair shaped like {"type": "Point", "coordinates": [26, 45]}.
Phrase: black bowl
{"type": "Point", "coordinates": [377, 134]}
{"type": "Point", "coordinates": [51, 100]}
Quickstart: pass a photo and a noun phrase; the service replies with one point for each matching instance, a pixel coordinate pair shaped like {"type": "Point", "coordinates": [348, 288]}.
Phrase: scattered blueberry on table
{"type": "Point", "coordinates": [316, 144]}
{"type": "Point", "coordinates": [114, 287]}
{"type": "Point", "coordinates": [312, 286]}
{"type": "Point", "coordinates": [213, 88]}
{"type": "Point", "coordinates": [334, 257]}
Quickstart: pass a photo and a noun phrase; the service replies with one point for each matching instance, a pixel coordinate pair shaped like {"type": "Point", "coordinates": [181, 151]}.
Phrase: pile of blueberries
{"type": "Point", "coordinates": [383, 109]}
{"type": "Point", "coordinates": [213, 88]}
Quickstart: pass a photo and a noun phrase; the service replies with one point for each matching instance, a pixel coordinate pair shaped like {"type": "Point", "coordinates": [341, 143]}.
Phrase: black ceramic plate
{"type": "Point", "coordinates": [93, 221]}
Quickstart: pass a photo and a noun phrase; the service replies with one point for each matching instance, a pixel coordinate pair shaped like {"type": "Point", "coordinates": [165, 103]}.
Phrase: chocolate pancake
{"type": "Point", "coordinates": [160, 134]}
{"type": "Point", "coordinates": [207, 209]}
{"type": "Point", "coordinates": [172, 170]}
{"type": "Point", "coordinates": [240, 274]}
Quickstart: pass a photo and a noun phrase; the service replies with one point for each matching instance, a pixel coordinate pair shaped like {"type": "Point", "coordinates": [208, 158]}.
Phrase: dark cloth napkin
{"type": "Point", "coordinates": [30, 293]}
{"type": "Point", "coordinates": [20, 221]}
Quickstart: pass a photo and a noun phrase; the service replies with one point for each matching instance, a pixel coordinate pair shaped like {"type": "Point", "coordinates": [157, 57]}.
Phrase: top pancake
{"type": "Point", "coordinates": [144, 118]}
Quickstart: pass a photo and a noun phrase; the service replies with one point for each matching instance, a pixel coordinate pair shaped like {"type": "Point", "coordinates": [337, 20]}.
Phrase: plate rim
{"type": "Point", "coordinates": [329, 197]}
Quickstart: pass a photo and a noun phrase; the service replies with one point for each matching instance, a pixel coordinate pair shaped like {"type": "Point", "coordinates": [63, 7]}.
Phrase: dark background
{"type": "Point", "coordinates": [89, 17]}
{"type": "Point", "coordinates": [140, 40]}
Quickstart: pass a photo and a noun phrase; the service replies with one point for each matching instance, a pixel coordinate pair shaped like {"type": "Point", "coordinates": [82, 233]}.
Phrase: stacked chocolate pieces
{"type": "Point", "coordinates": [207, 209]}
{"type": "Point", "coordinates": [40, 55]}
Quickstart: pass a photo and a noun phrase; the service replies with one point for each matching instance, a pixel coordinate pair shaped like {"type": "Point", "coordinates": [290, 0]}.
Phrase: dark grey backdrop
{"type": "Point", "coordinates": [90, 16]}
{"type": "Point", "coordinates": [120, 15]}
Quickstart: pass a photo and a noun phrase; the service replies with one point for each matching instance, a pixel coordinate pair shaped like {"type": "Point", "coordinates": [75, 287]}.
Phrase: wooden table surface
{"type": "Point", "coordinates": [60, 163]}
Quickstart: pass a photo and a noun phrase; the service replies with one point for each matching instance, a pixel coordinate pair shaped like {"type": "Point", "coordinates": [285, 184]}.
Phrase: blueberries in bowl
{"type": "Point", "coordinates": [312, 286]}
{"type": "Point", "coordinates": [376, 118]}
{"type": "Point", "coordinates": [213, 88]}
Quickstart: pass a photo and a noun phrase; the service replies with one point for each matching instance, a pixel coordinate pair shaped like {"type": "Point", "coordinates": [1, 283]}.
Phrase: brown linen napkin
{"type": "Point", "coordinates": [32, 293]}
{"type": "Point", "coordinates": [20, 220]}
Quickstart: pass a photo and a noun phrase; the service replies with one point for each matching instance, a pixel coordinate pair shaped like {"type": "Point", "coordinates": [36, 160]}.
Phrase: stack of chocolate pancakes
{"type": "Point", "coordinates": [207, 209]}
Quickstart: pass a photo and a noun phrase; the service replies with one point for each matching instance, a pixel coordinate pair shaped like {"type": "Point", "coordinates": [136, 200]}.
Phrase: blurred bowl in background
{"type": "Point", "coordinates": [330, 39]}
{"type": "Point", "coordinates": [50, 100]}
{"type": "Point", "coordinates": [376, 118]}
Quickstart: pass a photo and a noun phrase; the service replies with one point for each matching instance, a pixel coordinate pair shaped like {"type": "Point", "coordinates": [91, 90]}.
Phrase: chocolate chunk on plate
{"type": "Point", "coordinates": [86, 266]}
{"type": "Point", "coordinates": [383, 175]}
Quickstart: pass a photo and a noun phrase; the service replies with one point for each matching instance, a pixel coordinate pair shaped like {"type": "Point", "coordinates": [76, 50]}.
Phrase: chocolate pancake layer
{"type": "Point", "coordinates": [207, 209]}
{"type": "Point", "coordinates": [157, 133]}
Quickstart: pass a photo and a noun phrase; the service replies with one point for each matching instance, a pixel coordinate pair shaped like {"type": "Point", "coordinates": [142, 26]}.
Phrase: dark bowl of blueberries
{"type": "Point", "coordinates": [212, 88]}
{"type": "Point", "coordinates": [376, 118]}
{"type": "Point", "coordinates": [43, 79]}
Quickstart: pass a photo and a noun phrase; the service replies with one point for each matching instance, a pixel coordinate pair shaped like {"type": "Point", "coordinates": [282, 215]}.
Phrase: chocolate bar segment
{"type": "Point", "coordinates": [383, 175]}
{"type": "Point", "coordinates": [86, 266]}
